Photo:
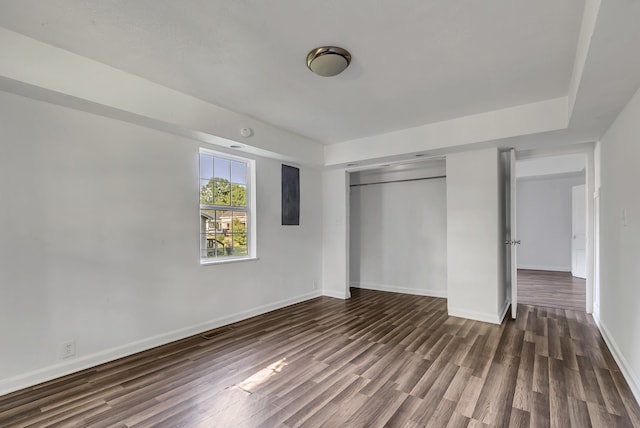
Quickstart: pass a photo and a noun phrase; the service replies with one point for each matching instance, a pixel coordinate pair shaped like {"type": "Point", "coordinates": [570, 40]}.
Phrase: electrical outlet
{"type": "Point", "coordinates": [315, 285]}
{"type": "Point", "coordinates": [68, 349]}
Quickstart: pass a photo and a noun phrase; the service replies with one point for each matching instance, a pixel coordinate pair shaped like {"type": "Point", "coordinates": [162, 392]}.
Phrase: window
{"type": "Point", "coordinates": [225, 207]}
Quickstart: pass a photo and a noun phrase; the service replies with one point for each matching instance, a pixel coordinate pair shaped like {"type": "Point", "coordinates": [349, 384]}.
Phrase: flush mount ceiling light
{"type": "Point", "coordinates": [328, 60]}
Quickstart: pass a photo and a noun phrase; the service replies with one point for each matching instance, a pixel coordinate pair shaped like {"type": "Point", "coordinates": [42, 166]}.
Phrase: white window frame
{"type": "Point", "coordinates": [250, 209]}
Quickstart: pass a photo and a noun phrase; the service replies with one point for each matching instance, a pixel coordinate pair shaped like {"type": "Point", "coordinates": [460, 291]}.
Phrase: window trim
{"type": "Point", "coordinates": [250, 209]}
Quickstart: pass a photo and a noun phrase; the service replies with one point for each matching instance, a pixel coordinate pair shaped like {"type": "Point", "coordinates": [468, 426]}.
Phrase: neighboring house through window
{"type": "Point", "coordinates": [225, 206]}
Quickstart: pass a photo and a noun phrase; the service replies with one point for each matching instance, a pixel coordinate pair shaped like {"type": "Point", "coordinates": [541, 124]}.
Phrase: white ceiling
{"type": "Point", "coordinates": [414, 61]}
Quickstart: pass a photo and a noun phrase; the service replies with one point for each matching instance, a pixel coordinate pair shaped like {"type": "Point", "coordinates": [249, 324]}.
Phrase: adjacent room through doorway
{"type": "Point", "coordinates": [551, 219]}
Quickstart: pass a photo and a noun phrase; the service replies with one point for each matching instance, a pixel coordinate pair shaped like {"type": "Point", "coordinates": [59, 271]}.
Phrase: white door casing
{"type": "Point", "coordinates": [578, 231]}
{"type": "Point", "coordinates": [513, 260]}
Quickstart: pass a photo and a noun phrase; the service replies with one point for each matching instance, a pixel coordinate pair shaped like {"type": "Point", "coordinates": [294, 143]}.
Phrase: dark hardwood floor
{"type": "Point", "coordinates": [378, 359]}
{"type": "Point", "coordinates": [551, 289]}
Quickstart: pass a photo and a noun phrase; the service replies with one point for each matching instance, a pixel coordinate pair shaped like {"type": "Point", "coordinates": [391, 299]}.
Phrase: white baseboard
{"type": "Point", "coordinates": [75, 365]}
{"type": "Point", "coordinates": [551, 268]}
{"type": "Point", "coordinates": [473, 315]}
{"type": "Point", "coordinates": [337, 294]}
{"type": "Point", "coordinates": [504, 310]}
{"type": "Point", "coordinates": [596, 311]}
{"type": "Point", "coordinates": [629, 375]}
{"type": "Point", "coordinates": [404, 290]}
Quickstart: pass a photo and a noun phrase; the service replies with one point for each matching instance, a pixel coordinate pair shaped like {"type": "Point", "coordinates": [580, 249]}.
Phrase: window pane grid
{"type": "Point", "coordinates": [224, 232]}
{"type": "Point", "coordinates": [224, 208]}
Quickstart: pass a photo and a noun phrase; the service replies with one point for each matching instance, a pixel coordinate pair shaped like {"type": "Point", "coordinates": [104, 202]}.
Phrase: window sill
{"type": "Point", "coordinates": [226, 260]}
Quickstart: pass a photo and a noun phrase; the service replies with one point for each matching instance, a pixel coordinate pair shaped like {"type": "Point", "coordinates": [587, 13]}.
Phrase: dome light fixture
{"type": "Point", "coordinates": [328, 60]}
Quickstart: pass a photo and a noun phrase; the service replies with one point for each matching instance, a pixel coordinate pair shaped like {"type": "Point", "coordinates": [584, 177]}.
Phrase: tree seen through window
{"type": "Point", "coordinates": [223, 207]}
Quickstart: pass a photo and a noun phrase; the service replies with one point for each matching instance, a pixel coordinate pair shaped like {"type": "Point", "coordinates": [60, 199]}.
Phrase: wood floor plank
{"type": "Point", "coordinates": [457, 385]}
{"type": "Point", "coordinates": [592, 391]}
{"type": "Point", "coordinates": [495, 400]}
{"type": "Point", "coordinates": [540, 414]}
{"type": "Point", "coordinates": [558, 404]}
{"type": "Point", "coordinates": [467, 402]}
{"type": "Point", "coordinates": [633, 410]}
{"type": "Point", "coordinates": [551, 289]}
{"type": "Point", "coordinates": [541, 375]}
{"type": "Point", "coordinates": [379, 408]}
{"type": "Point", "coordinates": [435, 394]}
{"type": "Point", "coordinates": [519, 419]}
{"type": "Point", "coordinates": [598, 415]}
{"type": "Point", "coordinates": [458, 421]}
{"type": "Point", "coordinates": [524, 383]}
{"type": "Point", "coordinates": [578, 413]}
{"type": "Point", "coordinates": [378, 359]}
{"type": "Point", "coordinates": [573, 383]}
{"type": "Point", "coordinates": [610, 394]}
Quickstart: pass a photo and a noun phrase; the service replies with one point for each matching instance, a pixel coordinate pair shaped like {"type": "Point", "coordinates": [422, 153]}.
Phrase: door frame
{"type": "Point", "coordinates": [512, 236]}
{"type": "Point", "coordinates": [578, 192]}
{"type": "Point", "coordinates": [588, 150]}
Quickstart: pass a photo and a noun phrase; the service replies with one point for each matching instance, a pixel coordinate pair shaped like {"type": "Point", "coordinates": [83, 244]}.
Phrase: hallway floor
{"type": "Point", "coordinates": [551, 289]}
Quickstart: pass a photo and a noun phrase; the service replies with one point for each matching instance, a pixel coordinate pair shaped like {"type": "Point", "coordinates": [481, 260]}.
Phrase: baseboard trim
{"type": "Point", "coordinates": [503, 312]}
{"type": "Point", "coordinates": [337, 294]}
{"type": "Point", "coordinates": [403, 290]}
{"type": "Point", "coordinates": [473, 315]}
{"type": "Point", "coordinates": [55, 371]}
{"type": "Point", "coordinates": [627, 372]}
{"type": "Point", "coordinates": [549, 268]}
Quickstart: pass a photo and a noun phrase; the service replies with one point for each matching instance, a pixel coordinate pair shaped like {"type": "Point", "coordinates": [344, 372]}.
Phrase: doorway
{"type": "Point", "coordinates": [551, 209]}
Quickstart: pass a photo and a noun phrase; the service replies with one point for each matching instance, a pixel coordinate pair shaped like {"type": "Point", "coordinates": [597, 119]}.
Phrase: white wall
{"type": "Point", "coordinates": [335, 233]}
{"type": "Point", "coordinates": [620, 240]}
{"type": "Point", "coordinates": [398, 239]}
{"type": "Point", "coordinates": [475, 236]}
{"type": "Point", "coordinates": [543, 218]}
{"type": "Point", "coordinates": [99, 242]}
{"type": "Point", "coordinates": [542, 116]}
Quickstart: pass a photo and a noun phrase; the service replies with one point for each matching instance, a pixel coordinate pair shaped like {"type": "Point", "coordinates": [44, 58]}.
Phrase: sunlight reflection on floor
{"type": "Point", "coordinates": [260, 377]}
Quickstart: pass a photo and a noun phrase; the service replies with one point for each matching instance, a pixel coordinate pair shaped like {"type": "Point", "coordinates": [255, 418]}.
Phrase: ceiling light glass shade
{"type": "Point", "coordinates": [328, 60]}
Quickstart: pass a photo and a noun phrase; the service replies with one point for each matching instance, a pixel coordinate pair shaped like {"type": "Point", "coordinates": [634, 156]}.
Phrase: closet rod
{"type": "Point", "coordinates": [397, 181]}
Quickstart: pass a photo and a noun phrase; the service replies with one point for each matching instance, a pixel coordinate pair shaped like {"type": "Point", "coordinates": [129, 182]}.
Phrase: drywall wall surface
{"type": "Point", "coordinates": [542, 116]}
{"type": "Point", "coordinates": [398, 237]}
{"type": "Point", "coordinates": [335, 233]}
{"type": "Point", "coordinates": [99, 242]}
{"type": "Point", "coordinates": [474, 235]}
{"type": "Point", "coordinates": [620, 240]}
{"type": "Point", "coordinates": [543, 213]}
{"type": "Point", "coordinates": [597, 234]}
